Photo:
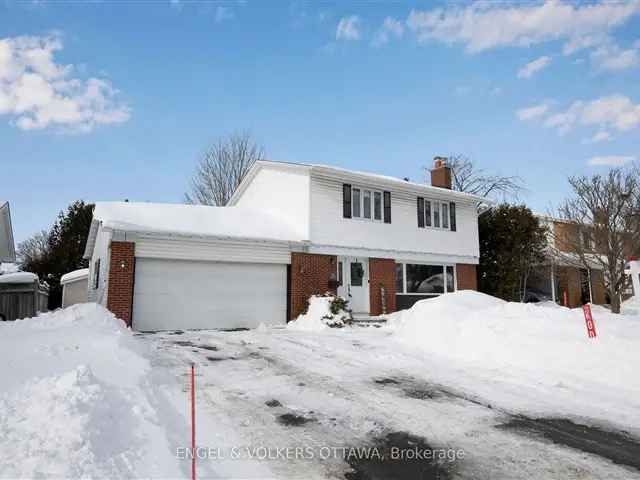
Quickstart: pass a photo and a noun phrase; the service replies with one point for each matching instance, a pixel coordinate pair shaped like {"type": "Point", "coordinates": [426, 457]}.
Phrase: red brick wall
{"type": "Point", "coordinates": [382, 271]}
{"type": "Point", "coordinates": [310, 275]}
{"type": "Point", "coordinates": [121, 279]}
{"type": "Point", "coordinates": [466, 276]}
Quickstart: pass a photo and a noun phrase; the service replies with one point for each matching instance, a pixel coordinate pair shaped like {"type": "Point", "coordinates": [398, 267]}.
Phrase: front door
{"type": "Point", "coordinates": [355, 282]}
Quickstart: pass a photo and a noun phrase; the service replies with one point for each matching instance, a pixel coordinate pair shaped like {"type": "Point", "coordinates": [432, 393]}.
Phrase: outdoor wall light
{"type": "Point", "coordinates": [123, 264]}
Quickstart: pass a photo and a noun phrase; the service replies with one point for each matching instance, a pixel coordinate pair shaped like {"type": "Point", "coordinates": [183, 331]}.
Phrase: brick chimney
{"type": "Point", "coordinates": [441, 173]}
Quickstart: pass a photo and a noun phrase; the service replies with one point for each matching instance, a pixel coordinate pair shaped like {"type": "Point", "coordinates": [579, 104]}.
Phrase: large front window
{"type": "Point", "coordinates": [423, 279]}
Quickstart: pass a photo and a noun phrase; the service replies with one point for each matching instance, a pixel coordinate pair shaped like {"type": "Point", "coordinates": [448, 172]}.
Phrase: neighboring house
{"type": "Point", "coordinates": [22, 295]}
{"type": "Point", "coordinates": [74, 287]}
{"type": "Point", "coordinates": [7, 248]}
{"type": "Point", "coordinates": [563, 278]}
{"type": "Point", "coordinates": [290, 231]}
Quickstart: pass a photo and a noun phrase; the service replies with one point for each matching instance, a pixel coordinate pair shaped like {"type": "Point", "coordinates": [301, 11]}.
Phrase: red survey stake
{"type": "Point", "coordinates": [588, 318]}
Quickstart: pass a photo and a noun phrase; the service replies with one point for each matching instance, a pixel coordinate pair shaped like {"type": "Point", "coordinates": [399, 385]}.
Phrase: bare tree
{"type": "Point", "coordinates": [603, 226]}
{"type": "Point", "coordinates": [33, 250]}
{"type": "Point", "coordinates": [222, 168]}
{"type": "Point", "coordinates": [466, 177]}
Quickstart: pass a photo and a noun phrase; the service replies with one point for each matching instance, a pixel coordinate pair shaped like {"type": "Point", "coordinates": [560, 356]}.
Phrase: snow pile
{"type": "Point", "coordinates": [8, 267]}
{"type": "Point", "coordinates": [65, 426]}
{"type": "Point", "coordinates": [324, 311]}
{"type": "Point", "coordinates": [545, 342]}
{"type": "Point", "coordinates": [77, 400]}
{"type": "Point", "coordinates": [19, 277]}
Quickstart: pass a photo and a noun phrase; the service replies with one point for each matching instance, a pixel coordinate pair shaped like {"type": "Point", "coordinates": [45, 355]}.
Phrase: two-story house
{"type": "Point", "coordinates": [564, 278]}
{"type": "Point", "coordinates": [289, 231]}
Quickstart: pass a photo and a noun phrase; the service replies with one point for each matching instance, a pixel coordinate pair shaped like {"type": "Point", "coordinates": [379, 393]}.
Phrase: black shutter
{"type": "Point", "coordinates": [387, 206]}
{"type": "Point", "coordinates": [452, 216]}
{"type": "Point", "coordinates": [420, 212]}
{"type": "Point", "coordinates": [346, 200]}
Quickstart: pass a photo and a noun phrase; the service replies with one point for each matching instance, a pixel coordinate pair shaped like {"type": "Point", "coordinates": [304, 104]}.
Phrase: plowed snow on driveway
{"type": "Point", "coordinates": [277, 403]}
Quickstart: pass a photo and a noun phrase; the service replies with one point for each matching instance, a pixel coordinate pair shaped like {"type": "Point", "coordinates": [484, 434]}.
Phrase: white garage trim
{"type": "Point", "coordinates": [212, 249]}
{"type": "Point", "coordinates": [180, 294]}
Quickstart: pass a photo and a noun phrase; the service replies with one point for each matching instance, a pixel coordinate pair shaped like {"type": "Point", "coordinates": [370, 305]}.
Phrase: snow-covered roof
{"type": "Point", "coordinates": [80, 274]}
{"type": "Point", "coordinates": [19, 277]}
{"type": "Point", "coordinates": [374, 179]}
{"type": "Point", "coordinates": [193, 220]}
{"type": "Point", "coordinates": [7, 248]}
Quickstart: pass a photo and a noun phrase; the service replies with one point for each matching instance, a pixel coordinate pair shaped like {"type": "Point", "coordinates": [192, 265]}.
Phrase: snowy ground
{"type": "Point", "coordinates": [108, 403]}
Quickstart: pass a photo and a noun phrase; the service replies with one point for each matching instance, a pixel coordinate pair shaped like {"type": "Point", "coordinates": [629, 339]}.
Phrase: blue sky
{"type": "Point", "coordinates": [107, 101]}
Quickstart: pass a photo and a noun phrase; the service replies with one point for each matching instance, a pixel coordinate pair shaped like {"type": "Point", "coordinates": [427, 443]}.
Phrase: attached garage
{"type": "Point", "coordinates": [183, 294]}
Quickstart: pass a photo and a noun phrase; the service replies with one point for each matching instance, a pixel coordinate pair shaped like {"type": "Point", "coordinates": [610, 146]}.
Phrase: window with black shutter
{"type": "Point", "coordinates": [346, 200]}
{"type": "Point", "coordinates": [420, 212]}
{"type": "Point", "coordinates": [386, 196]}
{"type": "Point", "coordinates": [452, 215]}
{"type": "Point", "coordinates": [427, 213]}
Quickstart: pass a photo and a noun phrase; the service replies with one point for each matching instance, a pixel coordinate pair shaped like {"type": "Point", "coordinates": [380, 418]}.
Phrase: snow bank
{"type": "Point", "coordinates": [549, 342]}
{"type": "Point", "coordinates": [319, 316]}
{"type": "Point", "coordinates": [77, 401]}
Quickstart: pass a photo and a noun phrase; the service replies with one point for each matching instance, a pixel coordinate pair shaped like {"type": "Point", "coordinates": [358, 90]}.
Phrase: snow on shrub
{"type": "Point", "coordinates": [323, 311]}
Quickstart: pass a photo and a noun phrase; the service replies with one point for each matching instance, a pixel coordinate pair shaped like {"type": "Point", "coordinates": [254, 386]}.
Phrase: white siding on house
{"type": "Point", "coordinates": [329, 228]}
{"type": "Point", "coordinates": [284, 192]}
{"type": "Point", "coordinates": [100, 251]}
{"type": "Point", "coordinates": [212, 250]}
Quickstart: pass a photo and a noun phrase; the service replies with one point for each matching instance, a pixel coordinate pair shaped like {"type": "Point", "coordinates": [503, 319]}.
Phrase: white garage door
{"type": "Point", "coordinates": [179, 294]}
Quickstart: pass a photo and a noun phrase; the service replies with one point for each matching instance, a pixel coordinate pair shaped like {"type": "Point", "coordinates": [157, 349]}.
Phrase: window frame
{"type": "Point", "coordinates": [444, 214]}
{"type": "Point", "coordinates": [372, 205]}
{"type": "Point", "coordinates": [431, 264]}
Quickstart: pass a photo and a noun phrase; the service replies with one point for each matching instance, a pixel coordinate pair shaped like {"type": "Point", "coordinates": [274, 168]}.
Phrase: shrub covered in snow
{"type": "Point", "coordinates": [323, 311]}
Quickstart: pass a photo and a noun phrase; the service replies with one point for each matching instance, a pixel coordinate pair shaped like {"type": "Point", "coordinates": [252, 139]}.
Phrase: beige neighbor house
{"type": "Point", "coordinates": [74, 287]}
{"type": "Point", "coordinates": [289, 231]}
{"type": "Point", "coordinates": [563, 279]}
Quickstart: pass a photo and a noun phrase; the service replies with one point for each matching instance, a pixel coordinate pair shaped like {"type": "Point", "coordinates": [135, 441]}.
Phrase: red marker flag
{"type": "Point", "coordinates": [588, 318]}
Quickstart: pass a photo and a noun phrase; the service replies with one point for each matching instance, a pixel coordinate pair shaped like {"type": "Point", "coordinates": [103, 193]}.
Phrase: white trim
{"type": "Point", "coordinates": [399, 255]}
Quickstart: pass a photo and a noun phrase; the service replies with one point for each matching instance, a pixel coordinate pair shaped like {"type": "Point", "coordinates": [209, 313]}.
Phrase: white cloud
{"type": "Point", "coordinates": [38, 92]}
{"type": "Point", "coordinates": [611, 160]}
{"type": "Point", "coordinates": [486, 25]}
{"type": "Point", "coordinates": [533, 112]}
{"type": "Point", "coordinates": [390, 28]}
{"type": "Point", "coordinates": [223, 13]}
{"type": "Point", "coordinates": [348, 28]}
{"type": "Point", "coordinates": [534, 66]}
{"type": "Point", "coordinates": [616, 112]}
{"type": "Point", "coordinates": [613, 58]}
{"type": "Point", "coordinates": [601, 136]}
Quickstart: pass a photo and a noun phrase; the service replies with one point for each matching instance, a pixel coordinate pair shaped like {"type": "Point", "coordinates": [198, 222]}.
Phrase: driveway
{"type": "Point", "coordinates": [349, 403]}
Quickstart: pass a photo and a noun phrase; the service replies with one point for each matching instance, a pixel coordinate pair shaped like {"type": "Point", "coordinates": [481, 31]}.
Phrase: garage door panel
{"type": "Point", "coordinates": [173, 294]}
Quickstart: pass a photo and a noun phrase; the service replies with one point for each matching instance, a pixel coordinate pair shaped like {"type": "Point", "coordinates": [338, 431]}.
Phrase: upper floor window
{"type": "Point", "coordinates": [436, 214]}
{"type": "Point", "coordinates": [587, 240]}
{"type": "Point", "coordinates": [366, 203]}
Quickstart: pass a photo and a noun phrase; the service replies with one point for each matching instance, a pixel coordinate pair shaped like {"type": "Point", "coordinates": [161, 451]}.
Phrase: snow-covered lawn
{"type": "Point", "coordinates": [463, 374]}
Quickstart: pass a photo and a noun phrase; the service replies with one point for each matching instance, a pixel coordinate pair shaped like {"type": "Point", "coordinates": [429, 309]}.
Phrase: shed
{"type": "Point", "coordinates": [22, 295]}
{"type": "Point", "coordinates": [74, 287]}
